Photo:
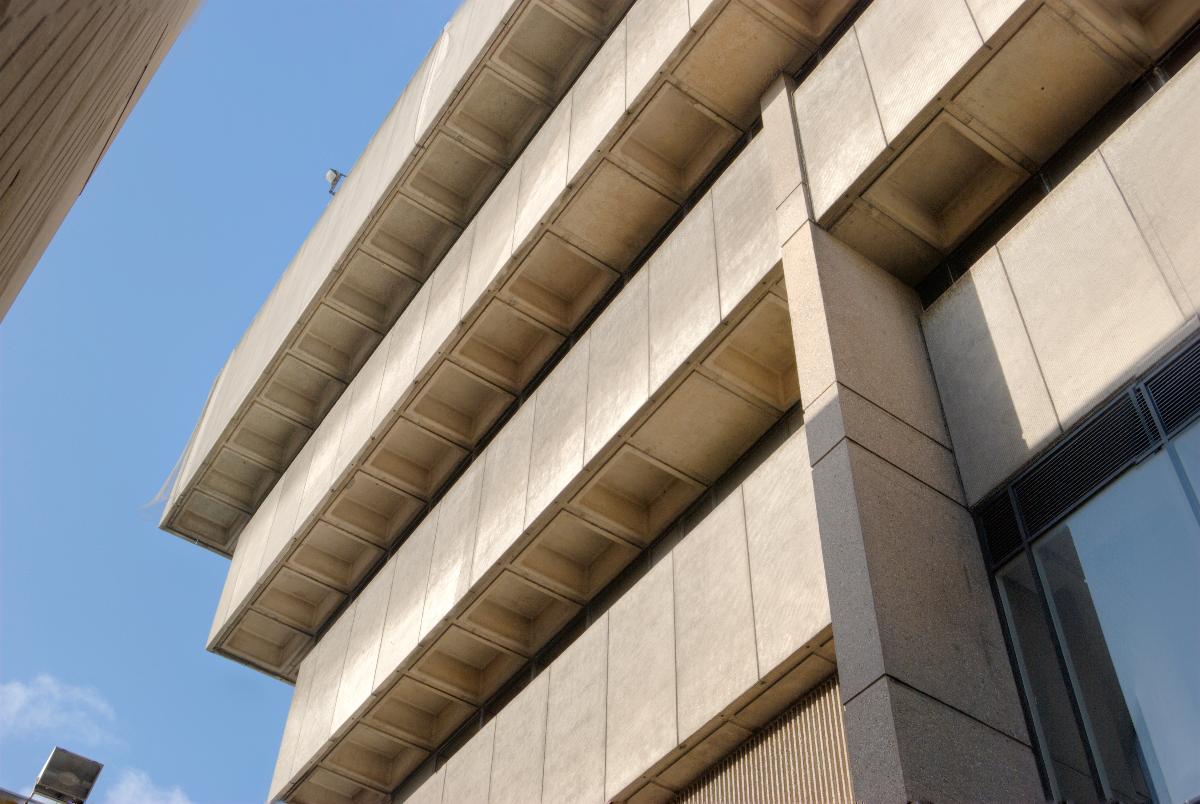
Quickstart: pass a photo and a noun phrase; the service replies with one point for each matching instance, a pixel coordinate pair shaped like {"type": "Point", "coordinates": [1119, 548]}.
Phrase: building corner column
{"type": "Point", "coordinates": [931, 707]}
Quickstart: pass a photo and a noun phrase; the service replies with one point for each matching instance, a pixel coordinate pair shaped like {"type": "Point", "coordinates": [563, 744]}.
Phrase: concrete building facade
{"type": "Point", "coordinates": [735, 400]}
{"type": "Point", "coordinates": [71, 71]}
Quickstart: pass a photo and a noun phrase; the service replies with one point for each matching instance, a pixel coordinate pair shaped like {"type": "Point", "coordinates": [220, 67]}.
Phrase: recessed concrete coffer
{"type": "Point", "coordinates": [944, 184]}
{"type": "Point", "coordinates": [418, 713]}
{"type": "Point", "coordinates": [335, 557]}
{"type": "Point", "coordinates": [459, 405]}
{"type": "Point", "coordinates": [325, 787]}
{"type": "Point", "coordinates": [414, 459]}
{"type": "Point", "coordinates": [497, 116]}
{"type": "Point", "coordinates": [636, 496]}
{"type": "Point", "coordinates": [466, 666]}
{"type": "Point", "coordinates": [270, 437]}
{"type": "Point", "coordinates": [453, 179]}
{"type": "Point", "coordinates": [557, 284]}
{"type": "Point", "coordinates": [237, 480]}
{"type": "Point", "coordinates": [298, 600]}
{"type": "Point", "coordinates": [371, 292]}
{"type": "Point", "coordinates": [543, 51]}
{"type": "Point", "coordinates": [301, 391]}
{"type": "Point", "coordinates": [1041, 88]}
{"type": "Point", "coordinates": [596, 16]}
{"type": "Point", "coordinates": [574, 557]}
{"type": "Point", "coordinates": [265, 642]}
{"type": "Point", "coordinates": [742, 52]}
{"type": "Point", "coordinates": [410, 237]}
{"type": "Point", "coordinates": [506, 346]}
{"type": "Point", "coordinates": [373, 510]}
{"type": "Point", "coordinates": [674, 142]}
{"type": "Point", "coordinates": [369, 756]}
{"type": "Point", "coordinates": [758, 356]}
{"type": "Point", "coordinates": [518, 613]}
{"type": "Point", "coordinates": [335, 343]}
{"type": "Point", "coordinates": [210, 520]}
{"type": "Point", "coordinates": [614, 216]}
{"type": "Point", "coordinates": [702, 428]}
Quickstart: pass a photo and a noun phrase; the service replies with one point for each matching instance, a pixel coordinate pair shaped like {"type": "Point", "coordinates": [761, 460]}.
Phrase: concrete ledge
{"type": "Point", "coordinates": [911, 141]}
{"type": "Point", "coordinates": [424, 419]}
{"type": "Point", "coordinates": [656, 656]}
{"type": "Point", "coordinates": [461, 122]}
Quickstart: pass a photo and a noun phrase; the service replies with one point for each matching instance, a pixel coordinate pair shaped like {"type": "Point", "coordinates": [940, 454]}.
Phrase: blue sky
{"type": "Point", "coordinates": [105, 360]}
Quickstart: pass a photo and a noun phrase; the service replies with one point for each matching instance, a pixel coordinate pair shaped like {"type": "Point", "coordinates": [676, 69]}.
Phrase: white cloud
{"type": "Point", "coordinates": [136, 787]}
{"type": "Point", "coordinates": [55, 709]}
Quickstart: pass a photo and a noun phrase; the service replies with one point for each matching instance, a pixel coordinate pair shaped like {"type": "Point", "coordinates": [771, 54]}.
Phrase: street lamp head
{"type": "Point", "coordinates": [67, 777]}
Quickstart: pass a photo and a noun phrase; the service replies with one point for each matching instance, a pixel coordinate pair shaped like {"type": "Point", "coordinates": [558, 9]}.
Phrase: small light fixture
{"type": "Point", "coordinates": [334, 177]}
{"type": "Point", "coordinates": [67, 777]}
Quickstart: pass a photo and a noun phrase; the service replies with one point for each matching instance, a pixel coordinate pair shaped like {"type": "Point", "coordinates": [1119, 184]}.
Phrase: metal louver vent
{"type": "Point", "coordinates": [1001, 534]}
{"type": "Point", "coordinates": [1100, 449]}
{"type": "Point", "coordinates": [1175, 390]}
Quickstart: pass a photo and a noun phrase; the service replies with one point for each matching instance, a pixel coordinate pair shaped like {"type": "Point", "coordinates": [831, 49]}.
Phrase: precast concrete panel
{"type": "Point", "coordinates": [520, 748]}
{"type": "Point", "coordinates": [558, 421]}
{"type": "Point", "coordinates": [450, 65]}
{"type": "Point", "coordinates": [543, 171]}
{"type": "Point", "coordinates": [432, 791]}
{"type": "Point", "coordinates": [1093, 299]}
{"type": "Point", "coordinates": [406, 599]}
{"type": "Point", "coordinates": [254, 543]}
{"type": "Point", "coordinates": [1155, 158]}
{"type": "Point", "coordinates": [991, 15]}
{"type": "Point", "coordinates": [654, 27]}
{"type": "Point", "coordinates": [746, 239]}
{"type": "Point", "coordinates": [716, 660]}
{"type": "Point", "coordinates": [619, 366]}
{"type": "Point", "coordinates": [641, 678]}
{"type": "Point", "coordinates": [404, 342]}
{"type": "Point", "coordinates": [469, 772]}
{"type": "Point", "coordinates": [291, 729]}
{"type": "Point", "coordinates": [323, 470]}
{"type": "Point", "coordinates": [494, 227]}
{"type": "Point", "coordinates": [505, 486]}
{"type": "Point", "coordinates": [913, 50]}
{"type": "Point", "coordinates": [685, 303]}
{"type": "Point", "coordinates": [787, 571]}
{"type": "Point", "coordinates": [450, 569]}
{"type": "Point", "coordinates": [328, 656]}
{"type": "Point", "coordinates": [291, 489]}
{"type": "Point", "coordinates": [446, 294]}
{"type": "Point", "coordinates": [839, 124]}
{"type": "Point", "coordinates": [598, 100]}
{"type": "Point", "coordinates": [575, 719]}
{"type": "Point", "coordinates": [360, 413]}
{"type": "Point", "coordinates": [997, 405]}
{"type": "Point", "coordinates": [362, 651]}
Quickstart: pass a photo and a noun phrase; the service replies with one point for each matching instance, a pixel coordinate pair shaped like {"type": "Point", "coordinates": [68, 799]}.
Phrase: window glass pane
{"type": "Point", "coordinates": [1121, 574]}
{"type": "Point", "coordinates": [1055, 721]}
{"type": "Point", "coordinates": [1187, 446]}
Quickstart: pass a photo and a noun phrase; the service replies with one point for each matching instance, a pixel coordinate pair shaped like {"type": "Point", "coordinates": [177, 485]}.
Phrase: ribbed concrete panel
{"type": "Point", "coordinates": [800, 756]}
{"type": "Point", "coordinates": [69, 76]}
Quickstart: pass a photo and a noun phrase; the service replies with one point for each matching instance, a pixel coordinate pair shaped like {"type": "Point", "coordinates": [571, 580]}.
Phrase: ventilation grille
{"type": "Point", "coordinates": [1122, 433]}
{"type": "Point", "coordinates": [1175, 389]}
{"type": "Point", "coordinates": [1001, 534]}
{"type": "Point", "coordinates": [1104, 446]}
